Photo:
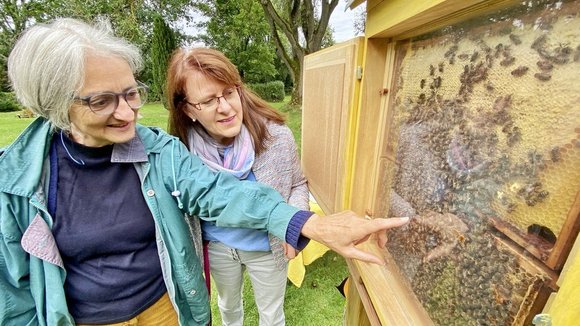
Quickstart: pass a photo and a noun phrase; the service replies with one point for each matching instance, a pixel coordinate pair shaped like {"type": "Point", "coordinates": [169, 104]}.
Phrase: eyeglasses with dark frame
{"type": "Point", "coordinates": [106, 103]}
{"type": "Point", "coordinates": [229, 94]}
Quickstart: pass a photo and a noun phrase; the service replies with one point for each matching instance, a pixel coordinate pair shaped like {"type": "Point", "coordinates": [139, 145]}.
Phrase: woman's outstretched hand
{"type": "Point", "coordinates": [341, 232]}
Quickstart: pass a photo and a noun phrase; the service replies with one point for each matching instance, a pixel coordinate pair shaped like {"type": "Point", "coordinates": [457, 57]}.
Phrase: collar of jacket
{"type": "Point", "coordinates": [22, 161]}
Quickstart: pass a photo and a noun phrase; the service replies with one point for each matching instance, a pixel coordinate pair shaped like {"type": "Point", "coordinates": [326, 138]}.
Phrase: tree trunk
{"type": "Point", "coordinates": [300, 19]}
{"type": "Point", "coordinates": [296, 98]}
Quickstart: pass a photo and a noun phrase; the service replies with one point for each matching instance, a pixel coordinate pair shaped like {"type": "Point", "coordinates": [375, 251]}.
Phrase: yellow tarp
{"type": "Point", "coordinates": [313, 251]}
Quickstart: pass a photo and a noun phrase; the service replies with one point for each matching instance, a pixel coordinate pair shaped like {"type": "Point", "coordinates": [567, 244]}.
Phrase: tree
{"type": "Point", "coordinates": [360, 20]}
{"type": "Point", "coordinates": [297, 21]}
{"type": "Point", "coordinates": [17, 16]}
{"type": "Point", "coordinates": [131, 19]}
{"type": "Point", "coordinates": [162, 45]}
{"type": "Point", "coordinates": [235, 28]}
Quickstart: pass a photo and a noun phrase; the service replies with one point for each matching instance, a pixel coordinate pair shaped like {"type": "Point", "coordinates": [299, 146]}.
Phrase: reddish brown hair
{"type": "Point", "coordinates": [217, 66]}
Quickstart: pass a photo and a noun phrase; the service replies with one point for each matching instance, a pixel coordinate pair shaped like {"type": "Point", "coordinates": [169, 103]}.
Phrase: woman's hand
{"type": "Point", "coordinates": [289, 251]}
{"type": "Point", "coordinates": [342, 231]}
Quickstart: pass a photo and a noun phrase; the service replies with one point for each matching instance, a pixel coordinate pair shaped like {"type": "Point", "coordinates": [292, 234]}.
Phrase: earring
{"type": "Point", "coordinates": [193, 119]}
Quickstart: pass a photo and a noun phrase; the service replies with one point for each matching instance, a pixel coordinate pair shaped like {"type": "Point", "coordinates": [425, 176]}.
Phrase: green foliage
{"type": "Point", "coordinates": [4, 82]}
{"type": "Point", "coordinates": [8, 102]}
{"type": "Point", "coordinates": [16, 16]}
{"type": "Point", "coordinates": [162, 45]}
{"type": "Point", "coordinates": [237, 28]}
{"type": "Point", "coordinates": [130, 19]}
{"type": "Point", "coordinates": [271, 91]}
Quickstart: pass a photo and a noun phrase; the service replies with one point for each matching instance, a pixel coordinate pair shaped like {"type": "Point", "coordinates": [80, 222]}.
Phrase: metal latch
{"type": "Point", "coordinates": [542, 320]}
{"type": "Point", "coordinates": [359, 71]}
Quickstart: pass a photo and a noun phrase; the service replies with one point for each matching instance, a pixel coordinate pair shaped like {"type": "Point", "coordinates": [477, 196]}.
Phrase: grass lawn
{"type": "Point", "coordinates": [317, 302]}
{"type": "Point", "coordinates": [11, 126]}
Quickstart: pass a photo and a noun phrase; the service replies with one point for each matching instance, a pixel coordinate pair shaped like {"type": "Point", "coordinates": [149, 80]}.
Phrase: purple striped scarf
{"type": "Point", "coordinates": [238, 158]}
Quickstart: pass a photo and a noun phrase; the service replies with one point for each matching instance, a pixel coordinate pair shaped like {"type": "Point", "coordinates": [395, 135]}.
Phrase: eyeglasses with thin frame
{"type": "Point", "coordinates": [107, 103]}
{"type": "Point", "coordinates": [229, 94]}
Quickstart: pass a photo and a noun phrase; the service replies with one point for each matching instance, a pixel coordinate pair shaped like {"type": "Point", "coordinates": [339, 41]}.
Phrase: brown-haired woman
{"type": "Point", "coordinates": [233, 130]}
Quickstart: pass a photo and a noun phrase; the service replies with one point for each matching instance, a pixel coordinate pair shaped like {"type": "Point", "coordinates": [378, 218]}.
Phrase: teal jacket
{"type": "Point", "coordinates": [173, 183]}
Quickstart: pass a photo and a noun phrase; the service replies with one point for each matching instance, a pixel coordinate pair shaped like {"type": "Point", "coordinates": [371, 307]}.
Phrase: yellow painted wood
{"type": "Point", "coordinates": [392, 300]}
{"type": "Point", "coordinates": [327, 104]}
{"type": "Point", "coordinates": [367, 125]}
{"type": "Point", "coordinates": [385, 15]}
{"type": "Point", "coordinates": [568, 232]}
{"type": "Point", "coordinates": [354, 3]}
{"type": "Point", "coordinates": [402, 19]}
{"type": "Point", "coordinates": [353, 117]}
{"type": "Point", "coordinates": [383, 151]}
{"type": "Point", "coordinates": [359, 308]}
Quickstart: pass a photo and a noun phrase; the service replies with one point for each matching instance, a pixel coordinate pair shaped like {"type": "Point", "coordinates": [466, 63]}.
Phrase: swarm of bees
{"type": "Point", "coordinates": [449, 171]}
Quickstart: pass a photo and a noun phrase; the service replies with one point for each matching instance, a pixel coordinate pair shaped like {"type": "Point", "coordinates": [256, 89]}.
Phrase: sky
{"type": "Point", "coordinates": [342, 22]}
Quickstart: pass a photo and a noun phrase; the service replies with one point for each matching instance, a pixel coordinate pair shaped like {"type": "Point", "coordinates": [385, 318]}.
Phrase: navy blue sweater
{"type": "Point", "coordinates": [105, 234]}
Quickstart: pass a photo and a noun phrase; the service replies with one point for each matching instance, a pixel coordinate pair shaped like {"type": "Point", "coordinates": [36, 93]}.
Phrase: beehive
{"type": "Point", "coordinates": [487, 132]}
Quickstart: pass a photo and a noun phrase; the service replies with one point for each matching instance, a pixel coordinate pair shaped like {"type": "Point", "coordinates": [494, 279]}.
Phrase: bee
{"type": "Point", "coordinates": [489, 60]}
{"type": "Point", "coordinates": [545, 65]}
{"type": "Point", "coordinates": [515, 39]}
{"type": "Point", "coordinates": [422, 98]}
{"type": "Point", "coordinates": [498, 50]}
{"type": "Point", "coordinates": [543, 76]}
{"type": "Point", "coordinates": [519, 71]}
{"type": "Point", "coordinates": [437, 82]}
{"type": "Point", "coordinates": [564, 49]}
{"type": "Point", "coordinates": [507, 61]}
{"type": "Point", "coordinates": [543, 194]}
{"type": "Point", "coordinates": [539, 42]}
{"type": "Point", "coordinates": [555, 154]}
{"type": "Point", "coordinates": [474, 56]}
{"type": "Point", "coordinates": [560, 59]}
{"type": "Point", "coordinates": [483, 46]}
{"type": "Point", "coordinates": [451, 51]}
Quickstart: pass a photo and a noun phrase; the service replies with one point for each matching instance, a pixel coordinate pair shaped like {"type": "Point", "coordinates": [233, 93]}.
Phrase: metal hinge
{"type": "Point", "coordinates": [359, 71]}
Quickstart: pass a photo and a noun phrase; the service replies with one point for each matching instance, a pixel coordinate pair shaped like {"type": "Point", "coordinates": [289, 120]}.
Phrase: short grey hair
{"type": "Point", "coordinates": [47, 64]}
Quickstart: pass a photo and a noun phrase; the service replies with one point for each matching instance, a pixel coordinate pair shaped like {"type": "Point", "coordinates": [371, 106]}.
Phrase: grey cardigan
{"type": "Point", "coordinates": [278, 166]}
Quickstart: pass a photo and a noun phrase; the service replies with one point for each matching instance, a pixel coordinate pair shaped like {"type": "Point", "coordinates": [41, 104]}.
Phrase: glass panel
{"type": "Point", "coordinates": [487, 132]}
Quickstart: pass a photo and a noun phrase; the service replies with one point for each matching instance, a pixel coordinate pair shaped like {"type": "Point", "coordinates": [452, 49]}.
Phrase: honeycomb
{"type": "Point", "coordinates": [487, 132]}
{"type": "Point", "coordinates": [491, 121]}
